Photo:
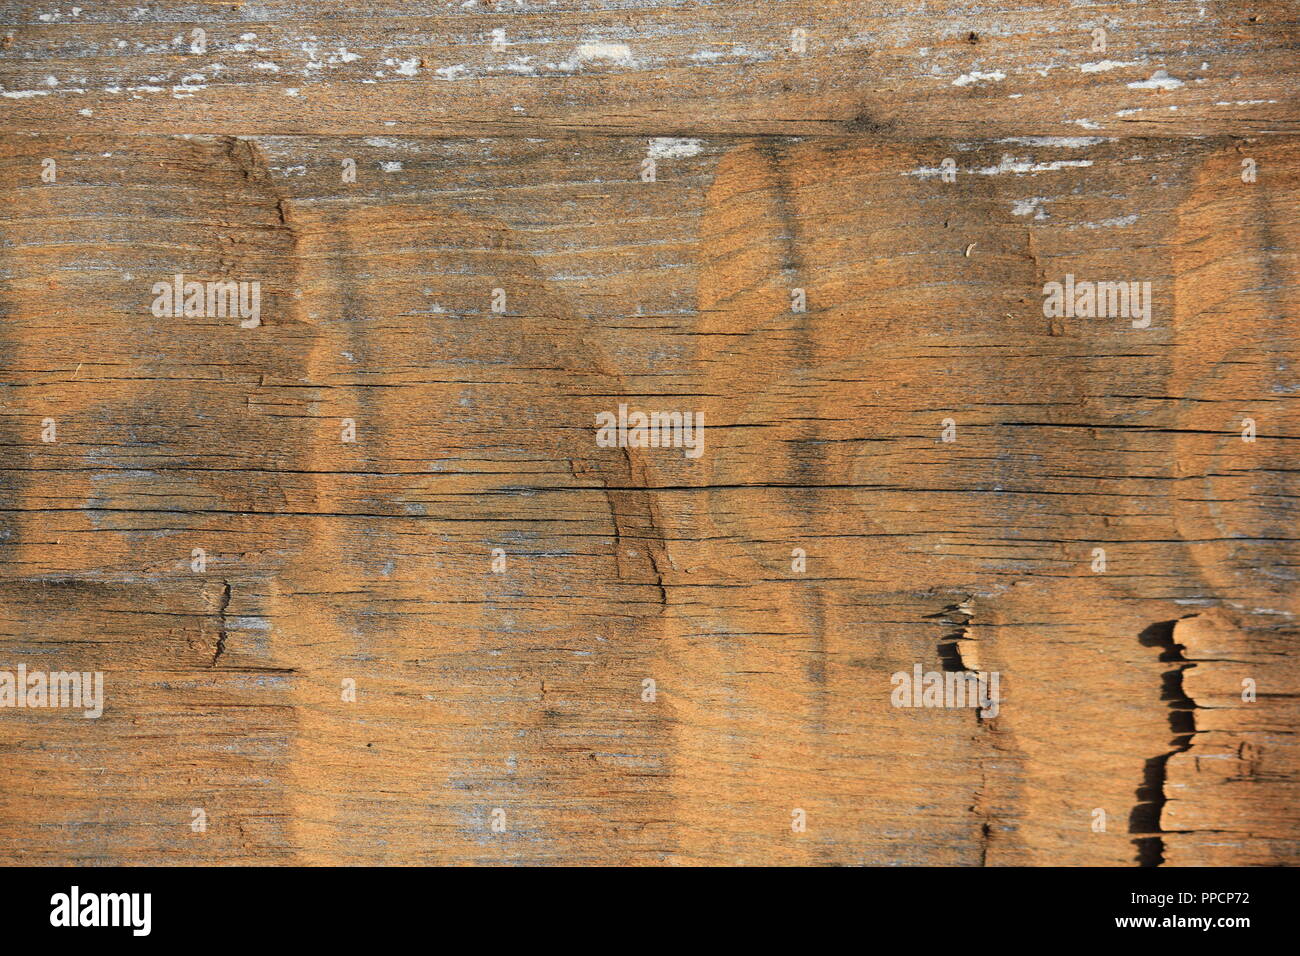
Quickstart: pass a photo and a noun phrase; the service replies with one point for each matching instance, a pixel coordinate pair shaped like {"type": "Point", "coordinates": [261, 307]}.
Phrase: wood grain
{"type": "Point", "coordinates": [521, 689]}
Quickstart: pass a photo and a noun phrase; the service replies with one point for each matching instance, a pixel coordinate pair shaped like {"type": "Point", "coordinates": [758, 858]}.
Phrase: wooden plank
{"type": "Point", "coordinates": [933, 69]}
{"type": "Point", "coordinates": [520, 687]}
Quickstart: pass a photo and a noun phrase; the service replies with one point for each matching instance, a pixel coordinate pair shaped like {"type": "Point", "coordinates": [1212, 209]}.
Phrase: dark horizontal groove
{"type": "Point", "coordinates": [232, 669]}
{"type": "Point", "coordinates": [187, 469]}
{"type": "Point", "coordinates": [514, 490]}
{"type": "Point", "coordinates": [264, 514]}
{"type": "Point", "coordinates": [1138, 428]}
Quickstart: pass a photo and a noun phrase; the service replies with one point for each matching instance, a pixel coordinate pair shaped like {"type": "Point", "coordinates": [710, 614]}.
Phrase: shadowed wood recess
{"type": "Point", "coordinates": [369, 582]}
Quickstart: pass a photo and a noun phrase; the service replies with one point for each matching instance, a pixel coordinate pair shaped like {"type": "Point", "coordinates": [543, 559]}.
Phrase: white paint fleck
{"type": "Point", "coordinates": [667, 147]}
{"type": "Point", "coordinates": [975, 76]}
{"type": "Point", "coordinates": [1101, 66]}
{"type": "Point", "coordinates": [1066, 142]}
{"type": "Point", "coordinates": [1008, 164]}
{"type": "Point", "coordinates": [1160, 80]}
{"type": "Point", "coordinates": [1030, 207]}
{"type": "Point", "coordinates": [409, 67]}
{"type": "Point", "coordinates": [617, 52]}
{"type": "Point", "coordinates": [391, 167]}
{"type": "Point", "coordinates": [451, 72]}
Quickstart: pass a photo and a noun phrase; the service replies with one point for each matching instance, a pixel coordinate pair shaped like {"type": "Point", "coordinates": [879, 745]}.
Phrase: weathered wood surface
{"type": "Point", "coordinates": [522, 690]}
{"type": "Point", "coordinates": [932, 68]}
